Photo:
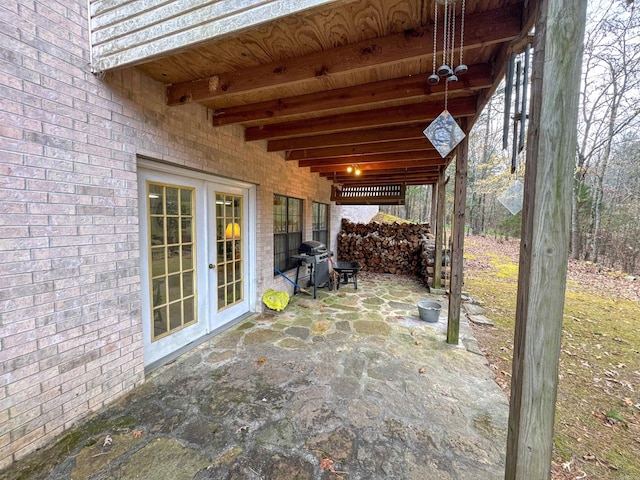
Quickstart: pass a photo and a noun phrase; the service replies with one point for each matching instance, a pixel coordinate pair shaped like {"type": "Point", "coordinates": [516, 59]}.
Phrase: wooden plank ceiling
{"type": "Point", "coordinates": [346, 85]}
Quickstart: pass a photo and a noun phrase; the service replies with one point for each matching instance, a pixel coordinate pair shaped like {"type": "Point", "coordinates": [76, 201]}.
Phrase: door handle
{"type": "Point", "coordinates": [211, 266]}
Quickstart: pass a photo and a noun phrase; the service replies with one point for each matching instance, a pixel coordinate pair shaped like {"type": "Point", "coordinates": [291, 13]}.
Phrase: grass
{"type": "Point", "coordinates": [597, 428]}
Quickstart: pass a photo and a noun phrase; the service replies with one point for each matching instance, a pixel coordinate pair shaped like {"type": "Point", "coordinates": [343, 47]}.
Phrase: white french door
{"type": "Point", "coordinates": [196, 245]}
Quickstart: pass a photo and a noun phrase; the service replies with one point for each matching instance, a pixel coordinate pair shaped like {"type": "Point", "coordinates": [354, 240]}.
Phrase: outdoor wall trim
{"type": "Point", "coordinates": [127, 32]}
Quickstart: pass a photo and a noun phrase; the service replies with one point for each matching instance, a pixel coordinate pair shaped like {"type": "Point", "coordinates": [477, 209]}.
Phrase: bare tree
{"type": "Point", "coordinates": [609, 107]}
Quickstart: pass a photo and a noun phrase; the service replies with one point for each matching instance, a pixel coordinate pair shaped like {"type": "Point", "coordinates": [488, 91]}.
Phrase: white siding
{"type": "Point", "coordinates": [126, 32]}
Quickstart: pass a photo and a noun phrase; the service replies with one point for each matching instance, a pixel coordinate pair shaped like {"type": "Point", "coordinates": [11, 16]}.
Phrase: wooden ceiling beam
{"type": "Point", "coordinates": [410, 131]}
{"type": "Point", "coordinates": [411, 87]}
{"type": "Point", "coordinates": [382, 172]}
{"type": "Point", "coordinates": [433, 170]}
{"type": "Point", "coordinates": [481, 29]}
{"type": "Point", "coordinates": [425, 112]}
{"type": "Point", "coordinates": [385, 157]}
{"type": "Point", "coordinates": [384, 179]}
{"type": "Point", "coordinates": [381, 165]}
{"type": "Point", "coordinates": [420, 144]}
{"type": "Point", "coordinates": [391, 180]}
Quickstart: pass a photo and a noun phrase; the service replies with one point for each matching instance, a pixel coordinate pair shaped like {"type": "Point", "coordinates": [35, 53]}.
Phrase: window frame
{"type": "Point", "coordinates": [283, 233]}
{"type": "Point", "coordinates": [320, 234]}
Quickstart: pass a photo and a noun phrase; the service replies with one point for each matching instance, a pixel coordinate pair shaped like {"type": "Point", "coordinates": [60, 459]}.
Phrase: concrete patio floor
{"type": "Point", "coordinates": [352, 382]}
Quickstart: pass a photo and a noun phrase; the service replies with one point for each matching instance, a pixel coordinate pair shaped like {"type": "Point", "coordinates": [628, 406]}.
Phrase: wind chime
{"type": "Point", "coordinates": [444, 133]}
{"type": "Point", "coordinates": [516, 75]}
{"type": "Point", "coordinates": [516, 78]}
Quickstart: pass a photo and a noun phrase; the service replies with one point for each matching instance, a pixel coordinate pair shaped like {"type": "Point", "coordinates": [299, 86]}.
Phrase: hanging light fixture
{"type": "Point", "coordinates": [357, 170]}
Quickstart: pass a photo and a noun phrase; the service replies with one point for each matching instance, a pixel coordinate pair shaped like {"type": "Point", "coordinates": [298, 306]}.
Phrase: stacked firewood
{"type": "Point", "coordinates": [384, 247]}
{"type": "Point", "coordinates": [405, 231]}
{"type": "Point", "coordinates": [427, 261]}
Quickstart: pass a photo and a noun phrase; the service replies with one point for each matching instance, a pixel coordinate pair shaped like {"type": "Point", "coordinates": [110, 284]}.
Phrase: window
{"type": "Point", "coordinates": [171, 247]}
{"type": "Point", "coordinates": [229, 261]}
{"type": "Point", "coordinates": [287, 230]}
{"type": "Point", "coordinates": [320, 222]}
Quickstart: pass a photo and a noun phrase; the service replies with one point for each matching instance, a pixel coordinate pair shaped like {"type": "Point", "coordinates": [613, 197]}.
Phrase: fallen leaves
{"type": "Point", "coordinates": [599, 335]}
{"type": "Point", "coordinates": [326, 464]}
{"type": "Point", "coordinates": [137, 433]}
{"type": "Point", "coordinates": [422, 370]}
{"type": "Point", "coordinates": [590, 457]}
{"type": "Point", "coordinates": [261, 360]}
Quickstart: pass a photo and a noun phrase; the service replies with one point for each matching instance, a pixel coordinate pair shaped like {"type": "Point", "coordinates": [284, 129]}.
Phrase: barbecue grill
{"type": "Point", "coordinates": [316, 256]}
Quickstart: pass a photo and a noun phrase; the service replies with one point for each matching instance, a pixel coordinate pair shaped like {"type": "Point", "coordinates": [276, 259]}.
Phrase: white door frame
{"type": "Point", "coordinates": [167, 348]}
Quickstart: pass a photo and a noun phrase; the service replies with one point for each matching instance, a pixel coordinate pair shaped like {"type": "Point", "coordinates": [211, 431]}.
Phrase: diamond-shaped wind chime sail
{"type": "Point", "coordinates": [444, 133]}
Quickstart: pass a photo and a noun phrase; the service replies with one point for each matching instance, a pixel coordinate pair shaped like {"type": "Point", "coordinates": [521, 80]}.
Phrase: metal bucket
{"type": "Point", "coordinates": [429, 311]}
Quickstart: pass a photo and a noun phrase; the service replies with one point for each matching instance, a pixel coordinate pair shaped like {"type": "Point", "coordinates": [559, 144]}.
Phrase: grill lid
{"type": "Point", "coordinates": [312, 247]}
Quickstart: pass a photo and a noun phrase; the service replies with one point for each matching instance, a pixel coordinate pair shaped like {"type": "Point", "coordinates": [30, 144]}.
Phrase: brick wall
{"type": "Point", "coordinates": [70, 321]}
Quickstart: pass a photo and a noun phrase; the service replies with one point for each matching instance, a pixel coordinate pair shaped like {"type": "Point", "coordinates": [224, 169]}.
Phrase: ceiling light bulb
{"type": "Point", "coordinates": [358, 171]}
{"type": "Point", "coordinates": [349, 169]}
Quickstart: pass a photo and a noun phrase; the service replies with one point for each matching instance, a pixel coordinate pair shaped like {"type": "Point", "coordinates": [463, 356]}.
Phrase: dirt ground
{"type": "Point", "coordinates": [598, 410]}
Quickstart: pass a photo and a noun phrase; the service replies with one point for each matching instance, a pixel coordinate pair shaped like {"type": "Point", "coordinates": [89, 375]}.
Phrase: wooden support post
{"type": "Point", "coordinates": [544, 246]}
{"type": "Point", "coordinates": [437, 267]}
{"type": "Point", "coordinates": [434, 203]}
{"type": "Point", "coordinates": [457, 232]}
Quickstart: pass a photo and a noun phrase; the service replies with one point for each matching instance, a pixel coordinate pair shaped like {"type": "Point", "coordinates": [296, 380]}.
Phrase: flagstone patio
{"type": "Point", "coordinates": [352, 385]}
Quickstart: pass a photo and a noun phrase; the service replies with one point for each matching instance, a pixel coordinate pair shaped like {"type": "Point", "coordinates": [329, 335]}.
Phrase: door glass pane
{"type": "Point", "coordinates": [175, 315]}
{"type": "Point", "coordinates": [159, 321]}
{"type": "Point", "coordinates": [187, 260]}
{"type": "Point", "coordinates": [228, 254]}
{"type": "Point", "coordinates": [220, 255]}
{"type": "Point", "coordinates": [220, 229]}
{"type": "Point", "coordinates": [186, 230]}
{"type": "Point", "coordinates": [174, 288]}
{"type": "Point", "coordinates": [172, 201]}
{"type": "Point", "coordinates": [229, 274]}
{"type": "Point", "coordinates": [156, 199]}
{"type": "Point", "coordinates": [157, 230]}
{"type": "Point", "coordinates": [159, 292]}
{"type": "Point", "coordinates": [238, 290]}
{"type": "Point", "coordinates": [230, 236]}
{"type": "Point", "coordinates": [173, 260]}
{"type": "Point", "coordinates": [189, 310]}
{"type": "Point", "coordinates": [172, 236]}
{"type": "Point", "coordinates": [185, 202]}
{"type": "Point", "coordinates": [187, 284]}
{"type": "Point", "coordinates": [158, 256]}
